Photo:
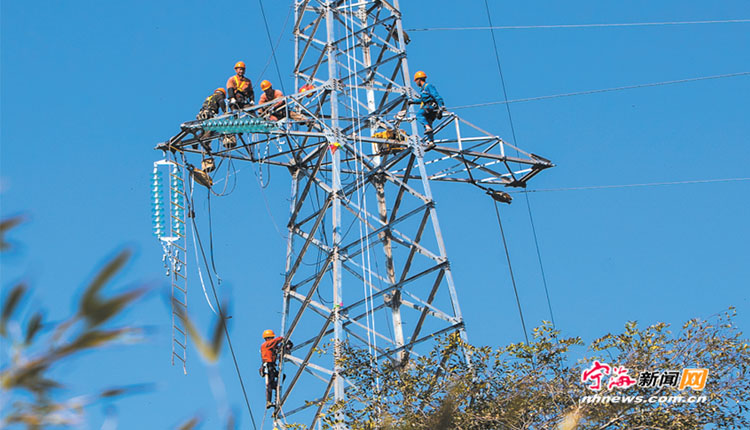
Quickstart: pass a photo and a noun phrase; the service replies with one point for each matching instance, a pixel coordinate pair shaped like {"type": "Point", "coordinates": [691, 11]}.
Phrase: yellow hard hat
{"type": "Point", "coordinates": [220, 90]}
{"type": "Point", "coordinates": [240, 64]}
{"type": "Point", "coordinates": [265, 85]}
{"type": "Point", "coordinates": [268, 333]}
{"type": "Point", "coordinates": [420, 75]}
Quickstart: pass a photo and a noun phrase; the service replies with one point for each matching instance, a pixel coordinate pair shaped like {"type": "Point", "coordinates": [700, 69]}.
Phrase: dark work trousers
{"type": "Point", "coordinates": [272, 380]}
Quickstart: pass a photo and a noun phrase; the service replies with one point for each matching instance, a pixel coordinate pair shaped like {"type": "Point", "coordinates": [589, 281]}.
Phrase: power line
{"type": "Point", "coordinates": [541, 265]}
{"type": "Point", "coordinates": [649, 184]}
{"type": "Point", "coordinates": [270, 42]}
{"type": "Point", "coordinates": [512, 278]}
{"type": "Point", "coordinates": [528, 204]}
{"type": "Point", "coordinates": [500, 70]}
{"type": "Point", "coordinates": [626, 24]}
{"type": "Point", "coordinates": [603, 90]}
{"type": "Point", "coordinates": [223, 317]}
{"type": "Point", "coordinates": [278, 40]}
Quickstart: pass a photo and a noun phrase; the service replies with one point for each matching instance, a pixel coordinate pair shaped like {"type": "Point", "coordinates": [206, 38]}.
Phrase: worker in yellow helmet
{"type": "Point", "coordinates": [240, 89]}
{"type": "Point", "coordinates": [269, 354]}
{"type": "Point", "coordinates": [431, 105]}
{"type": "Point", "coordinates": [213, 104]}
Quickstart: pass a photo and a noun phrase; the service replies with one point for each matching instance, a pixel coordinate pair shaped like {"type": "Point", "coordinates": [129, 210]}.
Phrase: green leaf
{"type": "Point", "coordinates": [35, 323]}
{"type": "Point", "coordinates": [203, 347]}
{"type": "Point", "coordinates": [7, 225]}
{"type": "Point", "coordinates": [191, 424]}
{"type": "Point", "coordinates": [125, 390]}
{"type": "Point", "coordinates": [104, 310]}
{"type": "Point", "coordinates": [90, 302]}
{"type": "Point", "coordinates": [11, 302]}
{"type": "Point", "coordinates": [92, 339]}
{"type": "Point", "coordinates": [29, 376]}
{"type": "Point", "coordinates": [96, 309]}
{"type": "Point", "coordinates": [216, 338]}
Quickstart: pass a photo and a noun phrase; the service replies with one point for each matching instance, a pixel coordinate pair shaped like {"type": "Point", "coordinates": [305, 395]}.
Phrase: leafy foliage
{"type": "Point", "coordinates": [536, 386]}
{"type": "Point", "coordinates": [37, 347]}
{"type": "Point", "coordinates": [5, 226]}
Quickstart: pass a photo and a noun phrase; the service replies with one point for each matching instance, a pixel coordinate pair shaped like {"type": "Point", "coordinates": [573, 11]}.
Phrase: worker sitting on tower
{"type": "Point", "coordinates": [269, 352]}
{"type": "Point", "coordinates": [211, 107]}
{"type": "Point", "coordinates": [240, 89]}
{"type": "Point", "coordinates": [213, 104]}
{"type": "Point", "coordinates": [431, 105]}
{"type": "Point", "coordinates": [277, 110]}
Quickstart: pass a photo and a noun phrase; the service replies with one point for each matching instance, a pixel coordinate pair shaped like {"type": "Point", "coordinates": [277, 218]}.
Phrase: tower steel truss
{"type": "Point", "coordinates": [366, 262]}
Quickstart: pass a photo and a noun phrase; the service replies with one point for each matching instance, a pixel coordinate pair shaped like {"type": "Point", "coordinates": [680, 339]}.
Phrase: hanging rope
{"type": "Point", "coordinates": [211, 239]}
{"type": "Point", "coordinates": [541, 265]}
{"type": "Point", "coordinates": [263, 421]}
{"type": "Point", "coordinates": [512, 278]}
{"type": "Point", "coordinates": [364, 231]}
{"type": "Point", "coordinates": [200, 273]}
{"type": "Point", "coordinates": [222, 315]}
{"type": "Point", "coordinates": [278, 40]}
{"type": "Point", "coordinates": [270, 42]}
{"type": "Point", "coordinates": [515, 142]}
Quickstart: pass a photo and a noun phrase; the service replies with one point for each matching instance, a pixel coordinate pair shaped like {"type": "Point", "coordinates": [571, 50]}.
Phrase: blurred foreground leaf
{"type": "Point", "coordinates": [32, 356]}
{"type": "Point", "coordinates": [5, 226]}
{"type": "Point", "coordinates": [10, 303]}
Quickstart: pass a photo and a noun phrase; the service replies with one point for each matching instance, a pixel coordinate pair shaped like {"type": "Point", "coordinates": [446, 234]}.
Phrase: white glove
{"type": "Point", "coordinates": [233, 101]}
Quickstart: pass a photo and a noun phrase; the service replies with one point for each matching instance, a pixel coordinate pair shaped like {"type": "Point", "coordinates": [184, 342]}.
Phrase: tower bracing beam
{"type": "Point", "coordinates": [366, 262]}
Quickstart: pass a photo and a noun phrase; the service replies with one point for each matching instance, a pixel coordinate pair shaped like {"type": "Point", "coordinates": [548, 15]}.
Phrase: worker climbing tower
{"type": "Point", "coordinates": [366, 263]}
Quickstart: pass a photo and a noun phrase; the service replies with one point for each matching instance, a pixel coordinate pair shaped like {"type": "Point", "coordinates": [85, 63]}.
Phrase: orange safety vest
{"type": "Point", "coordinates": [241, 84]}
{"type": "Point", "coordinates": [268, 349]}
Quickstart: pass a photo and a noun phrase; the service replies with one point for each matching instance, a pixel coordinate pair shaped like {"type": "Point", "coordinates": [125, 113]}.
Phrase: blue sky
{"type": "Point", "coordinates": [88, 88]}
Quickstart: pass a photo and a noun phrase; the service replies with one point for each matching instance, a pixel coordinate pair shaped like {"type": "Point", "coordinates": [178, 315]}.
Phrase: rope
{"type": "Point", "coordinates": [211, 238]}
{"type": "Point", "coordinates": [268, 207]}
{"type": "Point", "coordinates": [226, 178]}
{"type": "Point", "coordinates": [263, 421]}
{"type": "Point", "coordinates": [221, 315]}
{"type": "Point", "coordinates": [627, 24]}
{"type": "Point", "coordinates": [200, 273]}
{"type": "Point", "coordinates": [650, 184]}
{"type": "Point", "coordinates": [526, 196]}
{"type": "Point", "coordinates": [541, 265]}
{"type": "Point", "coordinates": [189, 200]}
{"type": "Point", "coordinates": [512, 278]}
{"type": "Point", "coordinates": [500, 71]}
{"type": "Point", "coordinates": [278, 40]}
{"type": "Point", "coordinates": [364, 231]}
{"type": "Point", "coordinates": [604, 90]}
{"type": "Point", "coordinates": [270, 42]}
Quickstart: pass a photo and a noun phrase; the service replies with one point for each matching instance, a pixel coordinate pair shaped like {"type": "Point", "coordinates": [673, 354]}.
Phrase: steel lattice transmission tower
{"type": "Point", "coordinates": [366, 263]}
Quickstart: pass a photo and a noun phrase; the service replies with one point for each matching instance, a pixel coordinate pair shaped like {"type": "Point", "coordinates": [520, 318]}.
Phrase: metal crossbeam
{"type": "Point", "coordinates": [367, 260]}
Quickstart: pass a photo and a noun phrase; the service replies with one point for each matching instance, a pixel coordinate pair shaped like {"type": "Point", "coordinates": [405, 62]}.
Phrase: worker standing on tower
{"type": "Point", "coordinates": [240, 89]}
{"type": "Point", "coordinates": [431, 105]}
{"type": "Point", "coordinates": [269, 354]}
{"type": "Point", "coordinates": [213, 104]}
